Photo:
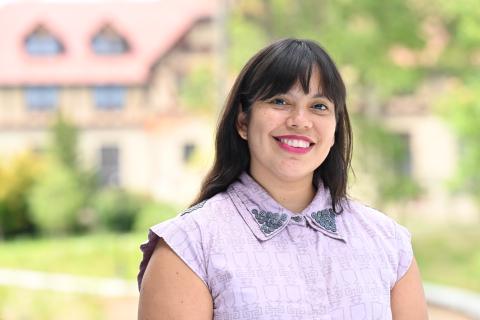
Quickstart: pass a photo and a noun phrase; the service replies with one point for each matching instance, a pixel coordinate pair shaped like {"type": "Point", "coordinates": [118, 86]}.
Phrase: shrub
{"type": "Point", "coordinates": [117, 208]}
{"type": "Point", "coordinates": [57, 199]}
{"type": "Point", "coordinates": [17, 177]}
{"type": "Point", "coordinates": [153, 213]}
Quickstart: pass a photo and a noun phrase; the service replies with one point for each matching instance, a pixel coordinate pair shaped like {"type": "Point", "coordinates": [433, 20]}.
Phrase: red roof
{"type": "Point", "coordinates": [150, 28]}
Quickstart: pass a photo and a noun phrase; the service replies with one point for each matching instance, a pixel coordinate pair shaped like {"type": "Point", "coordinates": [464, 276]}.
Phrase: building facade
{"type": "Point", "coordinates": [115, 71]}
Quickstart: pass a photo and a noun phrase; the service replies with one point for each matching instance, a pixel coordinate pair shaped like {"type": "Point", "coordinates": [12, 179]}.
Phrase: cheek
{"type": "Point", "coordinates": [327, 131]}
{"type": "Point", "coordinates": [262, 123]}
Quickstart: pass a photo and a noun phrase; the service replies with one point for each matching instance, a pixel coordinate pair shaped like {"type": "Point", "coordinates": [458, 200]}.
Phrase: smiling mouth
{"type": "Point", "coordinates": [295, 143]}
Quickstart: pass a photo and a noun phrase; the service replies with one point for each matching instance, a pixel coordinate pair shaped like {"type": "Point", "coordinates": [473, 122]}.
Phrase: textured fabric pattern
{"type": "Point", "coordinates": [312, 265]}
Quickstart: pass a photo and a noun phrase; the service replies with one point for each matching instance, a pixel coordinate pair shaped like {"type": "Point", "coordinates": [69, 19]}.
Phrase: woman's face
{"type": "Point", "coordinates": [290, 134]}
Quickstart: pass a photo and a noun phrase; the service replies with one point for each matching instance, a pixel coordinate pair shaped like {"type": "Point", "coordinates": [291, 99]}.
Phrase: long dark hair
{"type": "Point", "coordinates": [273, 70]}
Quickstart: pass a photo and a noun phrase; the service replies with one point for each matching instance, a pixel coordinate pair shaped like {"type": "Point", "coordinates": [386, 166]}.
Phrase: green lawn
{"type": "Point", "coordinates": [104, 255]}
{"type": "Point", "coordinates": [450, 255]}
{"type": "Point", "coordinates": [45, 305]}
{"type": "Point", "coordinates": [447, 255]}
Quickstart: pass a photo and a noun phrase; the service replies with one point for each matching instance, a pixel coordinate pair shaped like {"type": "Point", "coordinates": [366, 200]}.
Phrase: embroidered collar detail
{"type": "Point", "coordinates": [193, 208]}
{"type": "Point", "coordinates": [325, 219]}
{"type": "Point", "coordinates": [269, 221]}
{"type": "Point", "coordinates": [266, 218]}
{"type": "Point", "coordinates": [297, 218]}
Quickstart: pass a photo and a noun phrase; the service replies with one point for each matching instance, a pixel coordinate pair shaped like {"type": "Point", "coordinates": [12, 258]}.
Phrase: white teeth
{"type": "Point", "coordinates": [295, 143]}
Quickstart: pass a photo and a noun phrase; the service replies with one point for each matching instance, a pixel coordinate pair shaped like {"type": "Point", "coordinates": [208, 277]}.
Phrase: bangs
{"type": "Point", "coordinates": [290, 64]}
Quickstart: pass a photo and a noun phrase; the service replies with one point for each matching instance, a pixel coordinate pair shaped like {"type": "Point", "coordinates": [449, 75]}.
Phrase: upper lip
{"type": "Point", "coordinates": [294, 137]}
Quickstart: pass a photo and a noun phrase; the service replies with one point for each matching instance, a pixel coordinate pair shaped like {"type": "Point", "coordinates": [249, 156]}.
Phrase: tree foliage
{"type": "Point", "coordinates": [360, 36]}
{"type": "Point", "coordinates": [196, 90]}
{"type": "Point", "coordinates": [59, 199]}
{"type": "Point", "coordinates": [390, 47]}
{"type": "Point", "coordinates": [460, 106]}
{"type": "Point", "coordinates": [17, 176]}
{"type": "Point", "coordinates": [382, 158]}
{"type": "Point", "coordinates": [356, 33]}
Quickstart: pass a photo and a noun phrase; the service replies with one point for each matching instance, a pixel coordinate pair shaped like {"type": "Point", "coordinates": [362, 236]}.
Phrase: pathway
{"type": "Point", "coordinates": [121, 297]}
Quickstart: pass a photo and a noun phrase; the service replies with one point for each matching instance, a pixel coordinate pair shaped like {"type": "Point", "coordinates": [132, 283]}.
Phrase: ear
{"type": "Point", "coordinates": [241, 125]}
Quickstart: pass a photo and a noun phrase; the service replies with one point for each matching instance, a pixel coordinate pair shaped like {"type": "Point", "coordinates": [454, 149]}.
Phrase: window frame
{"type": "Point", "coordinates": [41, 42]}
{"type": "Point", "coordinates": [41, 98]}
{"type": "Point", "coordinates": [108, 170]}
{"type": "Point", "coordinates": [108, 41]}
{"type": "Point", "coordinates": [109, 97]}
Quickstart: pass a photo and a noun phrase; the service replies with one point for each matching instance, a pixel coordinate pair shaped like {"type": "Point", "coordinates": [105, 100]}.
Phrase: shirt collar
{"type": "Point", "coordinates": [266, 217]}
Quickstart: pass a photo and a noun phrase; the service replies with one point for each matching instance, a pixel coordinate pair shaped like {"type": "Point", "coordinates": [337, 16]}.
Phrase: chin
{"type": "Point", "coordinates": [292, 176]}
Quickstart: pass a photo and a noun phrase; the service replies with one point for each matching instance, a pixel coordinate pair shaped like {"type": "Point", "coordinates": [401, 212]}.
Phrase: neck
{"type": "Point", "coordinates": [293, 195]}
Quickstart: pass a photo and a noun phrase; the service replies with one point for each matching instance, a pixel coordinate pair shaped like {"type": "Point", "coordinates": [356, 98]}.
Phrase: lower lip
{"type": "Point", "coordinates": [291, 149]}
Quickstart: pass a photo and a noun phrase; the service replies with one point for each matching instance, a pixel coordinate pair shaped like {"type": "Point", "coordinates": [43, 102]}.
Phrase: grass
{"type": "Point", "coordinates": [446, 255]}
{"type": "Point", "coordinates": [103, 255]}
{"type": "Point", "coordinates": [20, 304]}
{"type": "Point", "coordinates": [43, 305]}
{"type": "Point", "coordinates": [449, 255]}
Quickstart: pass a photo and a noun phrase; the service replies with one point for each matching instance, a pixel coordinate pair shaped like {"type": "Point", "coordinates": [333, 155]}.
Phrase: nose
{"type": "Point", "coordinates": [299, 118]}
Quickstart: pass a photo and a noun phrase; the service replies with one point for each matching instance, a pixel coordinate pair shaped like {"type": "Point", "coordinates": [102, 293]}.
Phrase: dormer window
{"type": "Point", "coordinates": [109, 42]}
{"type": "Point", "coordinates": [42, 43]}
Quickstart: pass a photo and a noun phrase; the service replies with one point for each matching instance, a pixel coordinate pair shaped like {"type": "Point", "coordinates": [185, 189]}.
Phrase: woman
{"type": "Point", "coordinates": [272, 234]}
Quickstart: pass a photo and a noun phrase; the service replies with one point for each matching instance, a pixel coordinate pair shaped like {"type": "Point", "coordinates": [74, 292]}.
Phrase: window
{"type": "Point", "coordinates": [41, 98]}
{"type": "Point", "coordinates": [108, 42]}
{"type": "Point", "coordinates": [406, 160]}
{"type": "Point", "coordinates": [109, 97]}
{"type": "Point", "coordinates": [109, 166]}
{"type": "Point", "coordinates": [42, 43]}
{"type": "Point", "coordinates": [188, 150]}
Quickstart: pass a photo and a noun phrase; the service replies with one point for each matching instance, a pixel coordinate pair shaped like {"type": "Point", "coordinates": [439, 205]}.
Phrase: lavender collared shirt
{"type": "Point", "coordinates": [261, 261]}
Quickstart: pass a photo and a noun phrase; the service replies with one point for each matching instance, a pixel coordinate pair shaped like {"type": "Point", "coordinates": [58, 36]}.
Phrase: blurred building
{"type": "Point", "coordinates": [433, 152]}
{"type": "Point", "coordinates": [114, 70]}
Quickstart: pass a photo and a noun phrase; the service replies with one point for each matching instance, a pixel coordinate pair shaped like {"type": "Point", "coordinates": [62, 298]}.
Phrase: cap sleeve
{"type": "Point", "coordinates": [405, 251]}
{"type": "Point", "coordinates": [183, 236]}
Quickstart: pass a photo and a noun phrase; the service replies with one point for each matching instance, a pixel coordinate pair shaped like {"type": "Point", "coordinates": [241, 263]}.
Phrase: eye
{"type": "Point", "coordinates": [320, 106]}
{"type": "Point", "coordinates": [278, 101]}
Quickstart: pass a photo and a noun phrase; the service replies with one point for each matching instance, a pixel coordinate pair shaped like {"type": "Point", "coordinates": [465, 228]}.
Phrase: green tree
{"type": "Point", "coordinates": [196, 90]}
{"type": "Point", "coordinates": [63, 147]}
{"type": "Point", "coordinates": [57, 200]}
{"type": "Point", "coordinates": [360, 36]}
{"type": "Point", "coordinates": [61, 198]}
{"type": "Point", "coordinates": [460, 107]}
{"type": "Point", "coordinates": [382, 157]}
{"type": "Point", "coordinates": [358, 33]}
{"type": "Point", "coordinates": [17, 176]}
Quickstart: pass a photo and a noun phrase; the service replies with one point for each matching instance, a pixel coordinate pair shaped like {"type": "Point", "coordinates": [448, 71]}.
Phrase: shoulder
{"type": "Point", "coordinates": [189, 234]}
{"type": "Point", "coordinates": [218, 202]}
{"type": "Point", "coordinates": [198, 224]}
{"type": "Point", "coordinates": [360, 217]}
{"type": "Point", "coordinates": [380, 232]}
{"type": "Point", "coordinates": [204, 214]}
